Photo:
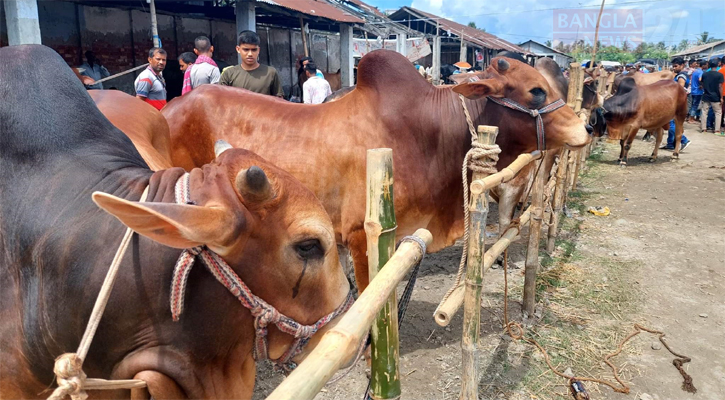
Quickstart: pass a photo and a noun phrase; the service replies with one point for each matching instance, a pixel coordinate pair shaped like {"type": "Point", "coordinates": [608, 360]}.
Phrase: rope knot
{"type": "Point", "coordinates": [305, 331]}
{"type": "Point", "coordinates": [194, 251]}
{"type": "Point", "coordinates": [534, 113]}
{"type": "Point", "coordinates": [69, 371]}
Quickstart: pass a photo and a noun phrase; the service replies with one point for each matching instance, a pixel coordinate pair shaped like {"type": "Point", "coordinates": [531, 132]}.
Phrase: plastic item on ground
{"type": "Point", "coordinates": [599, 211]}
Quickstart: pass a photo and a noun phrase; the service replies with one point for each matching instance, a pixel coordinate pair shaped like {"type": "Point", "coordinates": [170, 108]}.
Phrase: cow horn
{"type": "Point", "coordinates": [220, 146]}
{"type": "Point", "coordinates": [253, 184]}
{"type": "Point", "coordinates": [503, 65]}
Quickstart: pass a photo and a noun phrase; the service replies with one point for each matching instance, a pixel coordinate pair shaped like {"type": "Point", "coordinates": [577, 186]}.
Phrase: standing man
{"type": "Point", "coordinates": [678, 66]}
{"type": "Point", "coordinates": [696, 91]}
{"type": "Point", "coordinates": [150, 85]}
{"type": "Point", "coordinates": [315, 89]}
{"type": "Point", "coordinates": [712, 82]}
{"type": "Point", "coordinates": [204, 70]}
{"type": "Point", "coordinates": [252, 75]}
{"type": "Point", "coordinates": [93, 69]}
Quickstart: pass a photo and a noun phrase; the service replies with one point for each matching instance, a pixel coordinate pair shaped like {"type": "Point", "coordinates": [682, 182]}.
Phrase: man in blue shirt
{"type": "Point", "coordinates": [695, 91]}
{"type": "Point", "coordinates": [678, 66]}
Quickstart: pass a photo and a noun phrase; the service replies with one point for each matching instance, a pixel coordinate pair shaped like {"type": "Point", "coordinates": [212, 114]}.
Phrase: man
{"type": "Point", "coordinates": [92, 68]}
{"type": "Point", "coordinates": [250, 74]}
{"type": "Point", "coordinates": [712, 97]}
{"type": "Point", "coordinates": [150, 85]}
{"type": "Point", "coordinates": [315, 89]}
{"type": "Point", "coordinates": [204, 70]}
{"type": "Point", "coordinates": [695, 91]}
{"type": "Point", "coordinates": [306, 60]}
{"type": "Point", "coordinates": [186, 59]}
{"type": "Point", "coordinates": [721, 70]}
{"type": "Point", "coordinates": [678, 66]}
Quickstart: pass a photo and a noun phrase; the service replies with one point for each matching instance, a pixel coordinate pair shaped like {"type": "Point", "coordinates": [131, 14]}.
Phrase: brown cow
{"type": "Point", "coordinates": [325, 145]}
{"type": "Point", "coordinates": [56, 246]}
{"type": "Point", "coordinates": [642, 79]}
{"type": "Point", "coordinates": [143, 124]}
{"type": "Point", "coordinates": [650, 107]}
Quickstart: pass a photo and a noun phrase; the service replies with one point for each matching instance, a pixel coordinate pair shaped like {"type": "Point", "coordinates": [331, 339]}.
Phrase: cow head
{"type": "Point", "coordinates": [509, 78]}
{"type": "Point", "coordinates": [621, 109]}
{"type": "Point", "coordinates": [276, 236]}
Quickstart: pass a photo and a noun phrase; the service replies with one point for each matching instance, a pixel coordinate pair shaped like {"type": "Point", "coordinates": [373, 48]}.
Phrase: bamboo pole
{"type": "Point", "coordinates": [478, 208]}
{"type": "Point", "coordinates": [557, 199]}
{"type": "Point", "coordinates": [596, 36]}
{"type": "Point", "coordinates": [380, 229]}
{"type": "Point", "coordinates": [304, 37]}
{"type": "Point", "coordinates": [505, 175]}
{"type": "Point", "coordinates": [339, 345]}
{"type": "Point", "coordinates": [154, 24]}
{"type": "Point", "coordinates": [448, 309]}
{"type": "Point", "coordinates": [532, 253]}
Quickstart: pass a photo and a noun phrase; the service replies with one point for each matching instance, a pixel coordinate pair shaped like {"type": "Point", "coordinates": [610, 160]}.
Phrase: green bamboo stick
{"type": "Point", "coordinates": [380, 226]}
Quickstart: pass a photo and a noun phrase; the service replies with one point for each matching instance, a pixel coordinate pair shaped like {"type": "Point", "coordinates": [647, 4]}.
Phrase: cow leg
{"type": "Point", "coordinates": [160, 387]}
{"type": "Point", "coordinates": [627, 146]}
{"type": "Point", "coordinates": [357, 244]}
{"type": "Point", "coordinates": [621, 150]}
{"type": "Point", "coordinates": [658, 140]}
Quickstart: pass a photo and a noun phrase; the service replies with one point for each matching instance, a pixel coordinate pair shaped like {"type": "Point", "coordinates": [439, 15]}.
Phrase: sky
{"type": "Point", "coordinates": [520, 20]}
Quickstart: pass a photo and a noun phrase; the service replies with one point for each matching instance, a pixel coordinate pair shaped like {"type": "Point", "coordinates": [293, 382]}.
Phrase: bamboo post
{"type": "Point", "coordinates": [448, 309]}
{"type": "Point", "coordinates": [557, 199]}
{"type": "Point", "coordinates": [478, 208]}
{"type": "Point", "coordinates": [505, 174]}
{"type": "Point", "coordinates": [339, 345]}
{"type": "Point", "coordinates": [578, 83]}
{"type": "Point", "coordinates": [380, 231]}
{"type": "Point", "coordinates": [532, 253]}
{"type": "Point", "coordinates": [304, 37]}
{"type": "Point", "coordinates": [154, 24]}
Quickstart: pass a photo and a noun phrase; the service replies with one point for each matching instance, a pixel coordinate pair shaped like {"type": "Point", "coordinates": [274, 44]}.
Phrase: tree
{"type": "Point", "coordinates": [684, 44]}
{"type": "Point", "coordinates": [548, 43]}
{"type": "Point", "coordinates": [704, 36]}
{"type": "Point", "coordinates": [472, 24]}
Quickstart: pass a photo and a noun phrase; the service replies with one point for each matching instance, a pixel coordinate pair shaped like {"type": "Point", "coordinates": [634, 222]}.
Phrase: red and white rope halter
{"type": "Point", "coordinates": [540, 136]}
{"type": "Point", "coordinates": [264, 314]}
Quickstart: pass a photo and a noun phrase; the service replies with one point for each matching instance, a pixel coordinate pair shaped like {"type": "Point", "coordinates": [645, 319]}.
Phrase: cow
{"type": "Point", "coordinates": [59, 153]}
{"type": "Point", "coordinates": [650, 107]}
{"type": "Point", "coordinates": [143, 124]}
{"type": "Point", "coordinates": [325, 145]}
{"type": "Point", "coordinates": [642, 79]}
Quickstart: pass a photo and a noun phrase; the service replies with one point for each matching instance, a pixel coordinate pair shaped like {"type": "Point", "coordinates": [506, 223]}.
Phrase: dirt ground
{"type": "Point", "coordinates": [658, 259]}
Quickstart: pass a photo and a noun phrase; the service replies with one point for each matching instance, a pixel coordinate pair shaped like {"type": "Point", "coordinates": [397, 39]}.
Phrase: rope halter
{"type": "Point", "coordinates": [264, 314]}
{"type": "Point", "coordinates": [540, 135]}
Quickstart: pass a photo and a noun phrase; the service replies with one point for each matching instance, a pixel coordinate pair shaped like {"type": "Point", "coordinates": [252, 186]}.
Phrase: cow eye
{"type": "Point", "coordinates": [309, 249]}
{"type": "Point", "coordinates": [537, 92]}
{"type": "Point", "coordinates": [539, 97]}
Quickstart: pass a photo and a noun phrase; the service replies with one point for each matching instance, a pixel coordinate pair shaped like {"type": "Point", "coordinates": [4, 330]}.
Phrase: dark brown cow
{"type": "Point", "coordinates": [142, 123]}
{"type": "Point", "coordinates": [392, 106]}
{"type": "Point", "coordinates": [649, 107]}
{"type": "Point", "coordinates": [56, 247]}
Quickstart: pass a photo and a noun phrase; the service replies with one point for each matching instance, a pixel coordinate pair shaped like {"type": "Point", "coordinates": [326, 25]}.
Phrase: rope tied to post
{"type": "Point", "coordinates": [482, 158]}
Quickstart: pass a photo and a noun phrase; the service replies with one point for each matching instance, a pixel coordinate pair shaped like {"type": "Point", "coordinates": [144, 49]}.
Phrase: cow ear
{"type": "Point", "coordinates": [480, 88]}
{"type": "Point", "coordinates": [175, 225]}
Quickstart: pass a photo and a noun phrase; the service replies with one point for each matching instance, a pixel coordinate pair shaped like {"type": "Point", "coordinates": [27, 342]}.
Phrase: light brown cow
{"type": "Point", "coordinates": [325, 145]}
{"type": "Point", "coordinates": [642, 79]}
{"type": "Point", "coordinates": [650, 107]}
{"type": "Point", "coordinates": [143, 124]}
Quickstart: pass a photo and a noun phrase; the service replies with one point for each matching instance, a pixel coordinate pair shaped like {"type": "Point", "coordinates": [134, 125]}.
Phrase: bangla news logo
{"type": "Point", "coordinates": [616, 27]}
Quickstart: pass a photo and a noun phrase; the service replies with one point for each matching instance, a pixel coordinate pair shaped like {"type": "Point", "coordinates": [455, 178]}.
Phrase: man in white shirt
{"type": "Point", "coordinates": [315, 89]}
{"type": "Point", "coordinates": [204, 70]}
{"type": "Point", "coordinates": [93, 69]}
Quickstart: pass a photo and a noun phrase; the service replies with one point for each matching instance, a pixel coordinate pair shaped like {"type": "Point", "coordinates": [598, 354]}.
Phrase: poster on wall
{"type": "Point", "coordinates": [416, 48]}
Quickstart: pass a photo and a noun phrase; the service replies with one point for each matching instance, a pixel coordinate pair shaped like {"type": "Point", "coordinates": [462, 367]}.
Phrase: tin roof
{"type": "Point", "coordinates": [700, 48]}
{"type": "Point", "coordinates": [317, 8]}
{"type": "Point", "coordinates": [472, 35]}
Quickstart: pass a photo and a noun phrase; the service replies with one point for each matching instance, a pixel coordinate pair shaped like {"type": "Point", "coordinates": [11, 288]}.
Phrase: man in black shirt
{"type": "Point", "coordinates": [712, 85]}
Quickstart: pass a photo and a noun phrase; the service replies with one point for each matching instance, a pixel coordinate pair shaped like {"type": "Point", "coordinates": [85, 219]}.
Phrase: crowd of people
{"type": "Point", "coordinates": [200, 69]}
{"type": "Point", "coordinates": [703, 80]}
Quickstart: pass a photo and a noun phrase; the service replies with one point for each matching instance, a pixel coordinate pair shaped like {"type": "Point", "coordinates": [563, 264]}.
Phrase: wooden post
{"type": "Point", "coordinates": [342, 341]}
{"type": "Point", "coordinates": [532, 253]}
{"type": "Point", "coordinates": [436, 64]}
{"type": "Point", "coordinates": [304, 37]}
{"type": "Point", "coordinates": [478, 207]}
{"type": "Point", "coordinates": [380, 231]}
{"type": "Point", "coordinates": [557, 199]}
{"type": "Point", "coordinates": [347, 61]}
{"type": "Point", "coordinates": [154, 24]}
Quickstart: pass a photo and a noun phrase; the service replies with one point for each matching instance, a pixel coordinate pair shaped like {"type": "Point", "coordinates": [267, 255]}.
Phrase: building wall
{"type": "Point", "coordinates": [122, 38]}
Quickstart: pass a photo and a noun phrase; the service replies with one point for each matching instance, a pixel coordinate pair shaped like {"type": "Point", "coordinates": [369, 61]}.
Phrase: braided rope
{"type": "Point", "coordinates": [480, 158]}
{"type": "Point", "coordinates": [68, 367]}
{"type": "Point", "coordinates": [264, 314]}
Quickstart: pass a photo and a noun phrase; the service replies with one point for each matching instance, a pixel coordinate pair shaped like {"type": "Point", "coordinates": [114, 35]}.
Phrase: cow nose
{"type": "Point", "coordinates": [590, 129]}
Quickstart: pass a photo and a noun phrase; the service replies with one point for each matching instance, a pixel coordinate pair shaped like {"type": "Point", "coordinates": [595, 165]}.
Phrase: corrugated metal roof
{"type": "Point", "coordinates": [316, 8]}
{"type": "Point", "coordinates": [368, 7]}
{"type": "Point", "coordinates": [700, 48]}
{"type": "Point", "coordinates": [473, 35]}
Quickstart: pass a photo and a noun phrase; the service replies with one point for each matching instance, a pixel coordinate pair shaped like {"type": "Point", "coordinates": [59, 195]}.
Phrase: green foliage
{"type": "Point", "coordinates": [472, 24]}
